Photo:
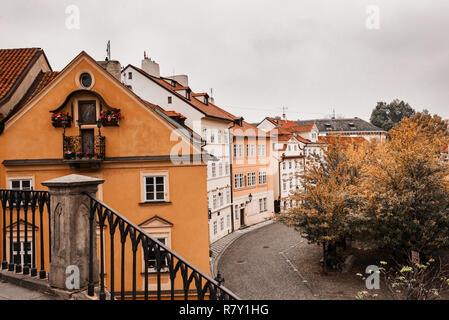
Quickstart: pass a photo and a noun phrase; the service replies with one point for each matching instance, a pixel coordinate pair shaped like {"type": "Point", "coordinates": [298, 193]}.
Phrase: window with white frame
{"type": "Point", "coordinates": [236, 212]}
{"type": "Point", "coordinates": [238, 150]}
{"type": "Point", "coordinates": [262, 204]}
{"type": "Point", "coordinates": [214, 201]}
{"type": "Point", "coordinates": [261, 150]}
{"type": "Point", "coordinates": [228, 196]}
{"type": "Point", "coordinates": [225, 137]}
{"type": "Point", "coordinates": [251, 178]}
{"type": "Point", "coordinates": [213, 169]}
{"type": "Point", "coordinates": [22, 253]}
{"type": "Point", "coordinates": [215, 227]}
{"type": "Point", "coordinates": [212, 136]}
{"type": "Point", "coordinates": [289, 164]}
{"type": "Point", "coordinates": [251, 150]}
{"type": "Point", "coordinates": [221, 224]}
{"type": "Point", "coordinates": [221, 197]}
{"type": "Point", "coordinates": [238, 180]}
{"type": "Point", "coordinates": [228, 221]}
{"type": "Point", "coordinates": [262, 177]}
{"type": "Point", "coordinates": [284, 185]}
{"type": "Point", "coordinates": [226, 168]}
{"type": "Point", "coordinates": [153, 255]}
{"type": "Point", "coordinates": [155, 188]}
{"type": "Point", "coordinates": [283, 165]}
{"type": "Point", "coordinates": [220, 169]}
{"type": "Point", "coordinates": [20, 184]}
{"type": "Point", "coordinates": [219, 136]}
{"type": "Point", "coordinates": [205, 134]}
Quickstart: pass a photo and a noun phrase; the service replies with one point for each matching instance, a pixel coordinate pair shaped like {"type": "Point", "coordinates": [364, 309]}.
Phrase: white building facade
{"type": "Point", "coordinates": [203, 118]}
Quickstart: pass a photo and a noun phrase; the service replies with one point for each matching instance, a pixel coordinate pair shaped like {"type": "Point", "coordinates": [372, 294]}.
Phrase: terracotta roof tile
{"type": "Point", "coordinates": [45, 79]}
{"type": "Point", "coordinates": [13, 63]}
{"type": "Point", "coordinates": [39, 83]}
{"type": "Point", "coordinates": [291, 126]}
{"type": "Point", "coordinates": [209, 109]}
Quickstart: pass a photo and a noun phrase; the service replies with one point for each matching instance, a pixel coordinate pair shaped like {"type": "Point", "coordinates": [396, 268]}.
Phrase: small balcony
{"type": "Point", "coordinates": [85, 150]}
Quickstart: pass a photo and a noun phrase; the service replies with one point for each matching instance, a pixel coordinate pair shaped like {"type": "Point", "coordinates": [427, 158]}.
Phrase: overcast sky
{"type": "Point", "coordinates": [309, 56]}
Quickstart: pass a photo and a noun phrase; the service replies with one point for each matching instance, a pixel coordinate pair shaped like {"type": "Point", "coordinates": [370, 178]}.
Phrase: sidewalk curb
{"type": "Point", "coordinates": [255, 227]}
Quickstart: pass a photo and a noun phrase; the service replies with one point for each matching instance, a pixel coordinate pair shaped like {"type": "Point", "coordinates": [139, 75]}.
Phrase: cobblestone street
{"type": "Point", "coordinates": [274, 262]}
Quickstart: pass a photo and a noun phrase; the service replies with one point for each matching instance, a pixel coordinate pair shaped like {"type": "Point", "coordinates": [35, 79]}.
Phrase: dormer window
{"type": "Point", "coordinates": [351, 125]}
{"type": "Point", "coordinates": [130, 75]}
{"type": "Point", "coordinates": [188, 94]}
{"type": "Point", "coordinates": [328, 126]}
{"type": "Point", "coordinates": [169, 100]}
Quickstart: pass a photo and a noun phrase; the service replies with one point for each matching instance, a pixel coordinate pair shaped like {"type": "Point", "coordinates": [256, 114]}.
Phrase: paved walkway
{"type": "Point", "coordinates": [219, 246]}
{"type": "Point", "coordinates": [9, 291]}
{"type": "Point", "coordinates": [257, 265]}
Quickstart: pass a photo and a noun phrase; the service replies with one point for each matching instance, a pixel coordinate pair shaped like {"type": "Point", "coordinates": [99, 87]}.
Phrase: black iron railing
{"type": "Point", "coordinates": [75, 149]}
{"type": "Point", "coordinates": [25, 229]}
{"type": "Point", "coordinates": [125, 249]}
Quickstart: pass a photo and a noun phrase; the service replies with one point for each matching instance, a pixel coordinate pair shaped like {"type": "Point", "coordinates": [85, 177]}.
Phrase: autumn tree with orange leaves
{"type": "Point", "coordinates": [391, 195]}
{"type": "Point", "coordinates": [404, 189]}
{"type": "Point", "coordinates": [323, 205]}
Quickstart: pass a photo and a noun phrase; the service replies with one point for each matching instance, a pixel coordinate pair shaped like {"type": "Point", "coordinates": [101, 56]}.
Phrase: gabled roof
{"type": "Point", "coordinates": [162, 117]}
{"type": "Point", "coordinates": [175, 116]}
{"type": "Point", "coordinates": [347, 124]}
{"type": "Point", "coordinates": [14, 64]}
{"type": "Point", "coordinates": [41, 81]}
{"type": "Point", "coordinates": [210, 109]}
{"type": "Point", "coordinates": [291, 126]}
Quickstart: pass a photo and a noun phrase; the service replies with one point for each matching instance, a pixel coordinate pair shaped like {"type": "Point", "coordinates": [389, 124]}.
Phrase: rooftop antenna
{"type": "Point", "coordinates": [144, 54]}
{"type": "Point", "coordinates": [283, 113]}
{"type": "Point", "coordinates": [333, 113]}
{"type": "Point", "coordinates": [108, 50]}
{"type": "Point", "coordinates": [211, 92]}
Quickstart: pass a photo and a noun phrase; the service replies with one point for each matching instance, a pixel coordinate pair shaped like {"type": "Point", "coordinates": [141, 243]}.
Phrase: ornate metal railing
{"type": "Point", "coordinates": [116, 233]}
{"type": "Point", "coordinates": [73, 148]}
{"type": "Point", "coordinates": [25, 229]}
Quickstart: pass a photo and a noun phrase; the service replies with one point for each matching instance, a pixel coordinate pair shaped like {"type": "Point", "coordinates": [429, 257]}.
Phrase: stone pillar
{"type": "Point", "coordinates": [70, 225]}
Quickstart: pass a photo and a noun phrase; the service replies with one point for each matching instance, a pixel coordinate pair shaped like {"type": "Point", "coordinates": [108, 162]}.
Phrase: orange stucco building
{"type": "Point", "coordinates": [252, 175]}
{"type": "Point", "coordinates": [150, 163]}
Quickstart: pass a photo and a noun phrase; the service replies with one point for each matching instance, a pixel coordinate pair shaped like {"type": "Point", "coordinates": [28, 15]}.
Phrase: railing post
{"type": "Point", "coordinates": [72, 231]}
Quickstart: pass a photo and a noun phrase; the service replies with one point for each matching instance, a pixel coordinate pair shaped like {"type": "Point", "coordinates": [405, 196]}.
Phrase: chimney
{"type": "Point", "coordinates": [150, 67]}
{"type": "Point", "coordinates": [113, 67]}
{"type": "Point", "coordinates": [182, 79]}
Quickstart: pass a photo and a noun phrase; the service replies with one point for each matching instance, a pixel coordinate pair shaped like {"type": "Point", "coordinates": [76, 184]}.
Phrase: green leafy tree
{"type": "Point", "coordinates": [386, 115]}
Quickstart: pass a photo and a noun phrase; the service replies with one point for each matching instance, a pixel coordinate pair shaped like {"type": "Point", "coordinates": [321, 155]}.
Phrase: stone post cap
{"type": "Point", "coordinates": [72, 180]}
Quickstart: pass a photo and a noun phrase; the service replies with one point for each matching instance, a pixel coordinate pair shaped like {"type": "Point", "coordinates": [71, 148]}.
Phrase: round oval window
{"type": "Point", "coordinates": [86, 80]}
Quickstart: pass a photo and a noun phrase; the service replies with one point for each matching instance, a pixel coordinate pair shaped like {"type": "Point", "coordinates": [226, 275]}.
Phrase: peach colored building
{"type": "Point", "coordinates": [252, 176]}
{"type": "Point", "coordinates": [152, 165]}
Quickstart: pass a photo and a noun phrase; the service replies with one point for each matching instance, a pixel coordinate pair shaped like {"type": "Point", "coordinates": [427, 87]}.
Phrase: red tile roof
{"type": "Point", "coordinates": [42, 82]}
{"type": "Point", "coordinates": [39, 83]}
{"type": "Point", "coordinates": [291, 126]}
{"type": "Point", "coordinates": [208, 109]}
{"type": "Point", "coordinates": [13, 65]}
{"type": "Point", "coordinates": [174, 115]}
